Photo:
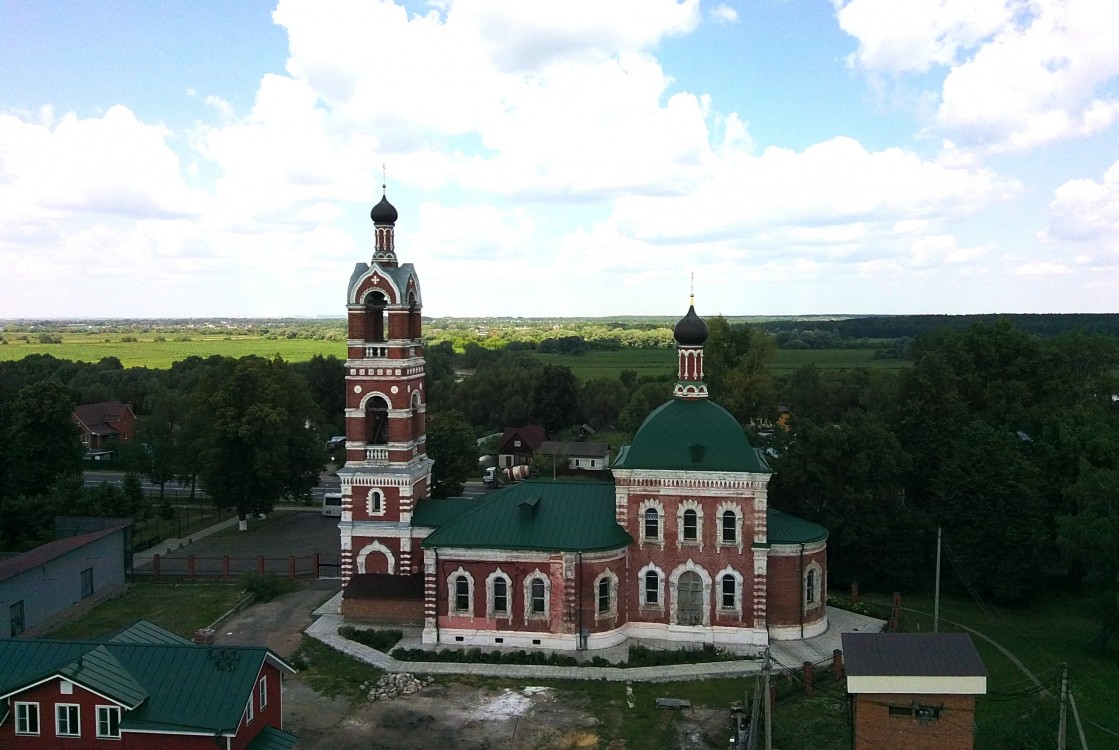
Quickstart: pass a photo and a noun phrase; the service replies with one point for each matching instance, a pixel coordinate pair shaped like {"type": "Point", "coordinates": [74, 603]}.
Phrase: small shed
{"type": "Point", "coordinates": [577, 456]}
{"type": "Point", "coordinates": [913, 691]}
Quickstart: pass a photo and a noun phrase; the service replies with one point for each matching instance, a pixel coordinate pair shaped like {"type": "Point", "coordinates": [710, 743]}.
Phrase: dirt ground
{"type": "Point", "coordinates": [444, 714]}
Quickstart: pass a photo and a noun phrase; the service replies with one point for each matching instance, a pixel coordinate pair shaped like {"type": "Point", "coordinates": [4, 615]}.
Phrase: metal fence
{"type": "Point", "coordinates": [191, 567]}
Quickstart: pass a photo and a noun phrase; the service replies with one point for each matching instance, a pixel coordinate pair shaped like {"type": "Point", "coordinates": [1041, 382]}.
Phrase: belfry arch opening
{"type": "Point", "coordinates": [376, 421]}
{"type": "Point", "coordinates": [414, 331]}
{"type": "Point", "coordinates": [375, 311]}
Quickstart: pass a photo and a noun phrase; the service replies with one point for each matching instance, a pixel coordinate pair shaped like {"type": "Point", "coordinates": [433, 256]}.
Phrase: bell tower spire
{"type": "Point", "coordinates": [690, 334]}
{"type": "Point", "coordinates": [384, 221]}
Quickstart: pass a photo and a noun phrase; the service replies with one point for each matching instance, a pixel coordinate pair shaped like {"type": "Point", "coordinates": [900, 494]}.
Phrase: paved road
{"type": "Point", "coordinates": [289, 534]}
{"type": "Point", "coordinates": [328, 483]}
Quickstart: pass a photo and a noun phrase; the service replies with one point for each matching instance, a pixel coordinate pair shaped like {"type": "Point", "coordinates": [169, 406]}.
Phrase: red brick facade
{"type": "Point", "coordinates": [914, 722]}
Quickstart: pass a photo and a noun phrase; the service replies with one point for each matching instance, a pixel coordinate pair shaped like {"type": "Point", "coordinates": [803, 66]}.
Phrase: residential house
{"type": "Point", "coordinates": [144, 687]}
{"type": "Point", "coordinates": [518, 445]}
{"type": "Point", "coordinates": [44, 582]}
{"type": "Point", "coordinates": [913, 691]}
{"type": "Point", "coordinates": [577, 456]}
{"type": "Point", "coordinates": [101, 426]}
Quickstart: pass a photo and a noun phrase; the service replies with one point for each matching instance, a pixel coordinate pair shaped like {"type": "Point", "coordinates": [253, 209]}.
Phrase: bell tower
{"type": "Point", "coordinates": [387, 468]}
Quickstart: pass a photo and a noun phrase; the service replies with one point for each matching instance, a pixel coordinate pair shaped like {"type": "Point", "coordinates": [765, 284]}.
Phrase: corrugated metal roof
{"type": "Point", "coordinates": [538, 515]}
{"type": "Point", "coordinates": [439, 512]}
{"type": "Point", "coordinates": [911, 655]}
{"type": "Point", "coordinates": [782, 528]}
{"type": "Point", "coordinates": [691, 435]}
{"type": "Point", "coordinates": [271, 738]}
{"type": "Point", "coordinates": [100, 671]}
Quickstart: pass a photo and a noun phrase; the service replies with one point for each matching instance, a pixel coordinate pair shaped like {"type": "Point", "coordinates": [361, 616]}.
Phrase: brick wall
{"type": "Point", "coordinates": [876, 728]}
{"type": "Point", "coordinates": [386, 611]}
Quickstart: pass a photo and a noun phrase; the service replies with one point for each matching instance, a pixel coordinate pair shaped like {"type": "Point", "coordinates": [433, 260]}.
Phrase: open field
{"type": "Point", "coordinates": [146, 352]}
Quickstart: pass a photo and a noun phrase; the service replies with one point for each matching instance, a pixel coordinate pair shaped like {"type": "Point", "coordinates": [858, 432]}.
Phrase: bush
{"type": "Point", "coordinates": [381, 640]}
{"type": "Point", "coordinates": [267, 586]}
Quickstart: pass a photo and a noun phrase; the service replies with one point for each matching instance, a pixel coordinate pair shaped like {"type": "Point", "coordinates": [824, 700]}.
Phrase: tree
{"type": "Point", "coordinates": [254, 445]}
{"type": "Point", "coordinates": [450, 443]}
{"type": "Point", "coordinates": [41, 440]}
{"type": "Point", "coordinates": [555, 399]}
{"type": "Point", "coordinates": [601, 401]}
{"type": "Point", "coordinates": [736, 362]}
{"type": "Point", "coordinates": [1089, 539]}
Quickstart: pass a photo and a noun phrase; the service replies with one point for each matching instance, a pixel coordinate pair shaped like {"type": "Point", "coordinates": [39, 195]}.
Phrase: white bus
{"type": "Point", "coordinates": [332, 504]}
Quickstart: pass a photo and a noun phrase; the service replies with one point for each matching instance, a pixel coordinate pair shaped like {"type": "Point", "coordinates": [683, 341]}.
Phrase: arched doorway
{"type": "Point", "coordinates": [689, 599]}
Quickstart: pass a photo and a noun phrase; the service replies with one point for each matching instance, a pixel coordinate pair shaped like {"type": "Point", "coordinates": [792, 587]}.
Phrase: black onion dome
{"type": "Point", "coordinates": [383, 212]}
{"type": "Point", "coordinates": [691, 330]}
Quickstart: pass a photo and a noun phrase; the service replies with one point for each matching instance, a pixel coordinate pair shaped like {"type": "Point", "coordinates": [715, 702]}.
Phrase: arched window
{"type": "Point", "coordinates": [500, 596]}
{"type": "Point", "coordinates": [813, 585]}
{"type": "Point", "coordinates": [374, 503]}
{"type": "Point", "coordinates": [652, 588]}
{"type": "Point", "coordinates": [691, 525]}
{"type": "Point", "coordinates": [538, 598]}
{"type": "Point", "coordinates": [603, 595]}
{"type": "Point", "coordinates": [652, 524]}
{"type": "Point", "coordinates": [462, 594]}
{"type": "Point", "coordinates": [729, 591]}
{"type": "Point", "coordinates": [375, 305]}
{"type": "Point", "coordinates": [376, 421]}
{"type": "Point", "coordinates": [729, 527]}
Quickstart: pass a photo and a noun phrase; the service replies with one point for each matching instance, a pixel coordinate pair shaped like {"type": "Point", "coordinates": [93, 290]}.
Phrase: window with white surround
{"type": "Point", "coordinates": [730, 525]}
{"type": "Point", "coordinates": [606, 595]}
{"type": "Point", "coordinates": [27, 718]}
{"type": "Point", "coordinates": [651, 515]}
{"type": "Point", "coordinates": [108, 722]}
{"type": "Point", "coordinates": [812, 585]}
{"type": "Point", "coordinates": [730, 590]}
{"type": "Point", "coordinates": [67, 721]}
{"type": "Point", "coordinates": [651, 580]}
{"type": "Point", "coordinates": [262, 687]}
{"type": "Point", "coordinates": [689, 523]}
{"type": "Point", "coordinates": [375, 502]}
{"type": "Point", "coordinates": [460, 592]}
{"type": "Point", "coordinates": [538, 590]}
{"type": "Point", "coordinates": [497, 594]}
{"type": "Point", "coordinates": [249, 711]}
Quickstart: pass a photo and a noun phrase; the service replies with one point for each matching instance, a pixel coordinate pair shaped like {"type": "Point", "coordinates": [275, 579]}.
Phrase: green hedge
{"type": "Point", "coordinates": [639, 656]}
{"type": "Point", "coordinates": [381, 640]}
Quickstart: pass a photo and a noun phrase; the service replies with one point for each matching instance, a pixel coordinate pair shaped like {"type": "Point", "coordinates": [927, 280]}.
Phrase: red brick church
{"type": "Point", "coordinates": [681, 546]}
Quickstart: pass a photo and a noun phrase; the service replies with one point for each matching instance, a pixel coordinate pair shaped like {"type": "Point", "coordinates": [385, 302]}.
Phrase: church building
{"type": "Point", "coordinates": [681, 546]}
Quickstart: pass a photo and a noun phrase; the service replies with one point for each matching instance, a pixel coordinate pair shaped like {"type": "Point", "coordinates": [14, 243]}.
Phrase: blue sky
{"type": "Point", "coordinates": [574, 159]}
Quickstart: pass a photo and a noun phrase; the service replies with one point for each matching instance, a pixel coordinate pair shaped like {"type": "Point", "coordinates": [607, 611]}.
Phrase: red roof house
{"type": "Point", "coordinates": [101, 423]}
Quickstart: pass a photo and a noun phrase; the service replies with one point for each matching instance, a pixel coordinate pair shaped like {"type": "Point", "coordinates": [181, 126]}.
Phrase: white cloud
{"type": "Point", "coordinates": [1040, 268]}
{"type": "Point", "coordinates": [1021, 73]}
{"type": "Point", "coordinates": [724, 14]}
{"type": "Point", "coordinates": [1086, 212]}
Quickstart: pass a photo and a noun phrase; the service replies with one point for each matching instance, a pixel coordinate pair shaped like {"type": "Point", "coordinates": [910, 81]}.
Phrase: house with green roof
{"type": "Point", "coordinates": [679, 545]}
{"type": "Point", "coordinates": [141, 688]}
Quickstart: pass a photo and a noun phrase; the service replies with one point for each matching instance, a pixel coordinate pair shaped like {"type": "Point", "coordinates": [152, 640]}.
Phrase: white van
{"type": "Point", "coordinates": [332, 504]}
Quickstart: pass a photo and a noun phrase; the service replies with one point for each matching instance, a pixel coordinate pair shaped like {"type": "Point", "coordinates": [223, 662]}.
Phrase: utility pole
{"type": "Point", "coordinates": [936, 596]}
{"type": "Point", "coordinates": [1063, 723]}
{"type": "Point", "coordinates": [768, 704]}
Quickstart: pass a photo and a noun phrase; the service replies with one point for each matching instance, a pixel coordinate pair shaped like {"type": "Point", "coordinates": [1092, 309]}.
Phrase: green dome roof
{"type": "Point", "coordinates": [691, 435]}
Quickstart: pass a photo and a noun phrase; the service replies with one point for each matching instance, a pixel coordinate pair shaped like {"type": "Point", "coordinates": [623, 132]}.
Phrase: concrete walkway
{"type": "Point", "coordinates": [787, 654]}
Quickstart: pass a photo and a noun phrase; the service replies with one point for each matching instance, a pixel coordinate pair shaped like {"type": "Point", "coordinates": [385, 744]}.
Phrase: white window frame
{"type": "Point", "coordinates": [644, 604]}
{"type": "Point", "coordinates": [736, 509]}
{"type": "Point", "coordinates": [262, 687]}
{"type": "Point", "coordinates": [529, 614]}
{"type": "Point", "coordinates": [739, 589]}
{"type": "Point", "coordinates": [491, 595]}
{"type": "Point", "coordinates": [684, 507]}
{"type": "Point", "coordinates": [812, 570]}
{"type": "Point", "coordinates": [103, 719]}
{"type": "Point", "coordinates": [611, 580]}
{"type": "Point", "coordinates": [452, 593]}
{"type": "Point", "coordinates": [645, 506]}
{"type": "Point", "coordinates": [249, 710]}
{"type": "Point", "coordinates": [59, 719]}
{"type": "Point", "coordinates": [25, 711]}
{"type": "Point", "coordinates": [375, 508]}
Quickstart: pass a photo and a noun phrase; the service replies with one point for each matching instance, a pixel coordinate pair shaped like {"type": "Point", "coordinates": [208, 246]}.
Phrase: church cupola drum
{"type": "Point", "coordinates": [387, 468]}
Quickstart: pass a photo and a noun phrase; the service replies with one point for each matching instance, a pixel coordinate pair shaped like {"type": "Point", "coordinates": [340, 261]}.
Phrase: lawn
{"type": "Point", "coordinates": [180, 608]}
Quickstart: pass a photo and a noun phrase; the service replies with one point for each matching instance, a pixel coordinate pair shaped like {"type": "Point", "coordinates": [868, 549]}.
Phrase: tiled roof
{"type": "Point", "coordinates": [179, 686]}
{"type": "Point", "coordinates": [532, 435]}
{"type": "Point", "coordinates": [691, 435]}
{"type": "Point", "coordinates": [911, 655]}
{"type": "Point", "coordinates": [782, 528]}
{"type": "Point", "coordinates": [43, 554]}
{"type": "Point", "coordinates": [538, 515]}
{"type": "Point", "coordinates": [99, 418]}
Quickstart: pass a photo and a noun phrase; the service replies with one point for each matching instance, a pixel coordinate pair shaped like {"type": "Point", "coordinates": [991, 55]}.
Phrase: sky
{"type": "Point", "coordinates": [206, 158]}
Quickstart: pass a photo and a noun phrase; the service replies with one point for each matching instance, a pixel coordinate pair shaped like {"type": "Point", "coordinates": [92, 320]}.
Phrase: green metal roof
{"type": "Point", "coordinates": [537, 515]}
{"type": "Point", "coordinates": [783, 528]}
{"type": "Point", "coordinates": [439, 512]}
{"type": "Point", "coordinates": [179, 686]}
{"type": "Point", "coordinates": [691, 435]}
{"type": "Point", "coordinates": [271, 738]}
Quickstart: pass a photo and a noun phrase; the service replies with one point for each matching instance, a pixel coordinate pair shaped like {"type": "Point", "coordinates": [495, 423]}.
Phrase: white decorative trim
{"type": "Point", "coordinates": [729, 572]}
{"type": "Point", "coordinates": [452, 594]}
{"type": "Point", "coordinates": [812, 570]}
{"type": "Point", "coordinates": [491, 579]}
{"type": "Point", "coordinates": [375, 509]}
{"type": "Point", "coordinates": [647, 505]}
{"type": "Point", "coordinates": [536, 575]}
{"type": "Point", "coordinates": [704, 577]}
{"type": "Point", "coordinates": [736, 509]}
{"type": "Point", "coordinates": [684, 507]}
{"type": "Point", "coordinates": [375, 547]}
{"type": "Point", "coordinates": [611, 579]}
{"type": "Point", "coordinates": [793, 632]}
{"type": "Point", "coordinates": [642, 600]}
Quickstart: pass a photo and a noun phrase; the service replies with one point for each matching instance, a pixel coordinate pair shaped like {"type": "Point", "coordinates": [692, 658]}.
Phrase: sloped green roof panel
{"type": "Point", "coordinates": [783, 528]}
{"type": "Point", "coordinates": [100, 671]}
{"type": "Point", "coordinates": [538, 515]}
{"type": "Point", "coordinates": [143, 631]}
{"type": "Point", "coordinates": [691, 435]}
{"type": "Point", "coordinates": [271, 738]}
{"type": "Point", "coordinates": [436, 512]}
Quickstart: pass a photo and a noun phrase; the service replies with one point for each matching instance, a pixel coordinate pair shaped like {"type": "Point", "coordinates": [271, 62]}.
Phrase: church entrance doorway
{"type": "Point", "coordinates": [689, 598]}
